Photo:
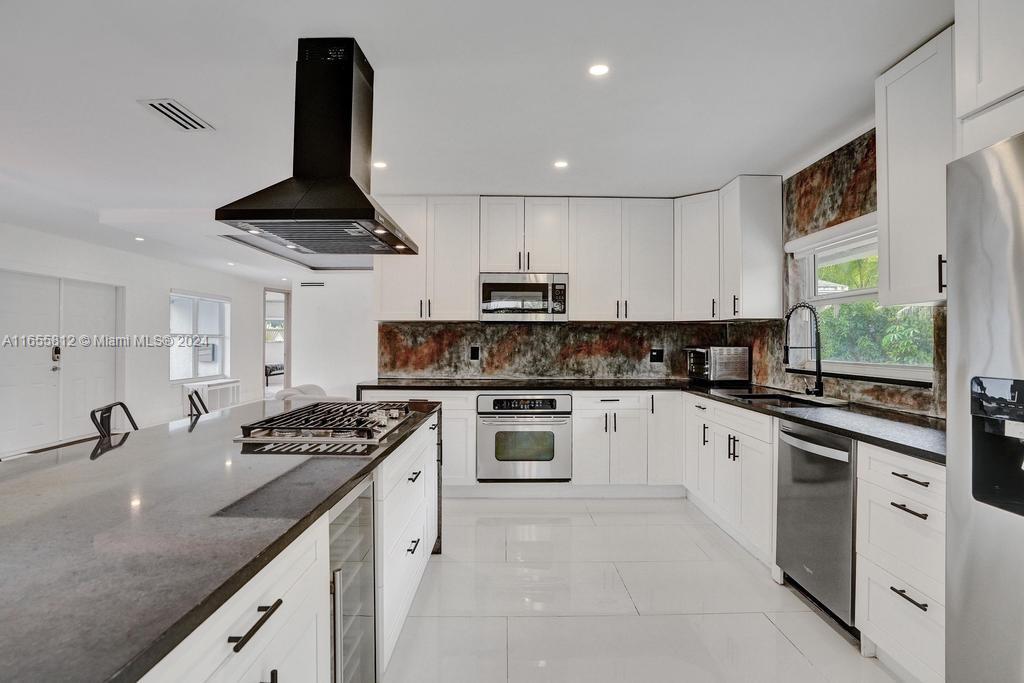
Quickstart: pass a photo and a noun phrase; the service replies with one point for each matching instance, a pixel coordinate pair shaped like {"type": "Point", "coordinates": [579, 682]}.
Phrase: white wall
{"type": "Point", "coordinates": [334, 333]}
{"type": "Point", "coordinates": [147, 284]}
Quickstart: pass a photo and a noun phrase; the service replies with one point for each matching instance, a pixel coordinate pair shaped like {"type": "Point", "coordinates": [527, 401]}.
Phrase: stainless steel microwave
{"type": "Point", "coordinates": [524, 297]}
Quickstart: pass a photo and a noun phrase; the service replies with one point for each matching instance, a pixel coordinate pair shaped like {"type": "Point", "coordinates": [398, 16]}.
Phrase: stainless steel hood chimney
{"type": "Point", "coordinates": [324, 213]}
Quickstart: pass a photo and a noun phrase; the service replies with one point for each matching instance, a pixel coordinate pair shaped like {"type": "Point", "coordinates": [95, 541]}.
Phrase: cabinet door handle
{"type": "Point", "coordinates": [735, 305]}
{"type": "Point", "coordinates": [606, 423]}
{"type": "Point", "coordinates": [902, 592]}
{"type": "Point", "coordinates": [625, 306]}
{"type": "Point", "coordinates": [909, 478]}
{"type": "Point", "coordinates": [519, 261]}
{"type": "Point", "coordinates": [421, 308]}
{"type": "Point", "coordinates": [704, 436]}
{"type": "Point", "coordinates": [415, 476]}
{"type": "Point", "coordinates": [728, 448]}
{"type": "Point", "coordinates": [429, 314]}
{"type": "Point", "coordinates": [615, 422]}
{"type": "Point", "coordinates": [617, 309]}
{"type": "Point", "coordinates": [412, 550]}
{"type": "Point", "coordinates": [713, 302]}
{"type": "Point", "coordinates": [735, 452]}
{"type": "Point", "coordinates": [273, 676]}
{"type": "Point", "coordinates": [904, 508]}
{"type": "Point", "coordinates": [652, 404]}
{"type": "Point", "coordinates": [527, 260]}
{"type": "Point", "coordinates": [942, 285]}
{"type": "Point", "coordinates": [268, 611]}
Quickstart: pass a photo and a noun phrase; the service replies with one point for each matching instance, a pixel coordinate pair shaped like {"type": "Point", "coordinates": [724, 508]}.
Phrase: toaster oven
{"type": "Point", "coordinates": [718, 365]}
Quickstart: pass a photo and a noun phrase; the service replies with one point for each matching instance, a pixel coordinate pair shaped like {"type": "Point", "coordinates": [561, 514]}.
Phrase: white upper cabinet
{"type": "Point", "coordinates": [647, 259]}
{"type": "Point", "coordinates": [989, 52]}
{"type": "Point", "coordinates": [401, 281]}
{"type": "Point", "coordinates": [595, 258]}
{"type": "Point", "coordinates": [697, 262]}
{"type": "Point", "coordinates": [439, 283]}
{"type": "Point", "coordinates": [916, 138]}
{"type": "Point", "coordinates": [751, 269]}
{"type": "Point", "coordinates": [501, 235]}
{"type": "Point", "coordinates": [453, 258]}
{"type": "Point", "coordinates": [524, 234]}
{"type": "Point", "coordinates": [547, 234]}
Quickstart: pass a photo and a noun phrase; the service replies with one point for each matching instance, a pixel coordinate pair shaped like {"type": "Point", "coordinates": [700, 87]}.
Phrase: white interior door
{"type": "Point", "coordinates": [29, 388]}
{"type": "Point", "coordinates": [87, 374]}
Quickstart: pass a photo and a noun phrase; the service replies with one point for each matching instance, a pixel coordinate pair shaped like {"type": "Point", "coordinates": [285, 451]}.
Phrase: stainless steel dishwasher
{"type": "Point", "coordinates": [814, 547]}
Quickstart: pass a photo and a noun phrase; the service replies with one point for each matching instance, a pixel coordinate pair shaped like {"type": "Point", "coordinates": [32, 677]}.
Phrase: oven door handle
{"type": "Point", "coordinates": [521, 422]}
{"type": "Point", "coordinates": [810, 447]}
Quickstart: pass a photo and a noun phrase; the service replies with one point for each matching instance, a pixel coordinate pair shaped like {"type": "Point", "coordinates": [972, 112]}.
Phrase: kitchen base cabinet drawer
{"type": "Point", "coordinates": [207, 649]}
{"type": "Point", "coordinates": [910, 626]}
{"type": "Point", "coordinates": [405, 499]}
{"type": "Point", "coordinates": [902, 536]}
{"type": "Point", "coordinates": [395, 466]}
{"type": "Point", "coordinates": [753, 424]}
{"type": "Point", "coordinates": [610, 401]}
{"type": "Point", "coordinates": [916, 479]}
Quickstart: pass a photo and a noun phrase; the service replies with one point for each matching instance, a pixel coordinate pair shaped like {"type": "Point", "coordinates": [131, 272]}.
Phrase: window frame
{"type": "Point", "coordinates": [224, 336]}
{"type": "Point", "coordinates": [807, 271]}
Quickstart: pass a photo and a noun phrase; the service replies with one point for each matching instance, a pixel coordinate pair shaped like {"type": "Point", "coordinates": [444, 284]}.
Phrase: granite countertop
{"type": "Point", "coordinates": [108, 564]}
{"type": "Point", "coordinates": [920, 436]}
{"type": "Point", "coordinates": [547, 383]}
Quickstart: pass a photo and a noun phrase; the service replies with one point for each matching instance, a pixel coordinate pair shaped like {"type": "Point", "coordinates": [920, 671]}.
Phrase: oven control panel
{"type": "Point", "coordinates": [536, 403]}
{"type": "Point", "coordinates": [504, 404]}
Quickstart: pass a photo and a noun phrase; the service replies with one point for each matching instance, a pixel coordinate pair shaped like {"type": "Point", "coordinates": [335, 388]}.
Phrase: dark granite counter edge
{"type": "Point", "coordinates": [896, 446]}
{"type": "Point", "coordinates": [143, 662]}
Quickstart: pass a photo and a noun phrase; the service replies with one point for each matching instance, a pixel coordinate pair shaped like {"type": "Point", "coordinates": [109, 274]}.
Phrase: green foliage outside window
{"type": "Point", "coordinates": [863, 331]}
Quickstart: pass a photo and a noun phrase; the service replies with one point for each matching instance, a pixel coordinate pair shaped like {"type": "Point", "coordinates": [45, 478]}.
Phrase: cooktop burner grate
{"type": "Point", "coordinates": [325, 428]}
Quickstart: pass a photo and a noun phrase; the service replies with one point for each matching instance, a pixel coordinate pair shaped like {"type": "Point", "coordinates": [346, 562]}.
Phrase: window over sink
{"type": "Point", "coordinates": [859, 337]}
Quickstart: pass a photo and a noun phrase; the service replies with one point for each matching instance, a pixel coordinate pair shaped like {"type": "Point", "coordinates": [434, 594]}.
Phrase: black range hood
{"type": "Point", "coordinates": [324, 213]}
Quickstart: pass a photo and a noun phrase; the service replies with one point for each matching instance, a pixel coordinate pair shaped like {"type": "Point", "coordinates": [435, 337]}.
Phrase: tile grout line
{"type": "Point", "coordinates": [625, 587]}
{"type": "Point", "coordinates": [795, 646]}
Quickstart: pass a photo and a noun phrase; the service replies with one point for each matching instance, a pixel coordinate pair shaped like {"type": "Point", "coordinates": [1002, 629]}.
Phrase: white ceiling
{"type": "Point", "coordinates": [471, 96]}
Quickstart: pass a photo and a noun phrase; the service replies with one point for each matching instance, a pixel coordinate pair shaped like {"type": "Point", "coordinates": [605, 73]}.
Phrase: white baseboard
{"type": "Point", "coordinates": [561, 490]}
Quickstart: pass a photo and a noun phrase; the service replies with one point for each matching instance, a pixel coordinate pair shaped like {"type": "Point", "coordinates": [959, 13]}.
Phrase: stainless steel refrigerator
{"type": "Point", "coordinates": [985, 489]}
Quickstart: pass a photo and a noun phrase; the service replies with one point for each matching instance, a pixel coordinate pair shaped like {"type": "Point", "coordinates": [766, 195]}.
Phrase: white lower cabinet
{"type": "Point", "coordinates": [665, 438]}
{"type": "Point", "coordinates": [406, 500]}
{"type": "Point", "coordinates": [628, 447]}
{"type": "Point", "coordinates": [609, 438]}
{"type": "Point", "coordinates": [294, 639]}
{"type": "Point", "coordinates": [458, 429]}
{"type": "Point", "coordinates": [730, 470]}
{"type": "Point", "coordinates": [901, 545]}
{"type": "Point", "coordinates": [591, 450]}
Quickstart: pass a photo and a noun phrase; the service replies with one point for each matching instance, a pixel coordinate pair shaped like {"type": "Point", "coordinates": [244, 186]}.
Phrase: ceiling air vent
{"type": "Point", "coordinates": [177, 113]}
{"type": "Point", "coordinates": [311, 284]}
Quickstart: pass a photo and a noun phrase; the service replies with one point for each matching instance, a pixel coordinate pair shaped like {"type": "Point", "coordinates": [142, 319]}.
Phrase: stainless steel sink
{"type": "Point", "coordinates": [785, 400]}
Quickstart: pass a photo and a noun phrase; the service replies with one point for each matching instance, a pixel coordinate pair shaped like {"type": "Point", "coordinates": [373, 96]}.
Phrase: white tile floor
{"type": "Point", "coordinates": [609, 590]}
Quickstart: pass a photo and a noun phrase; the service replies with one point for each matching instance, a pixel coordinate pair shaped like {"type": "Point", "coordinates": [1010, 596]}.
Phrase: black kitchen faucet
{"type": "Point", "coordinates": [819, 386]}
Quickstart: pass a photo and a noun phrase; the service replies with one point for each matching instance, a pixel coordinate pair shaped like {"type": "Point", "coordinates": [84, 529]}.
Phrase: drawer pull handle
{"type": "Point", "coordinates": [699, 407]}
{"type": "Point", "coordinates": [904, 508]}
{"type": "Point", "coordinates": [415, 545]}
{"type": "Point", "coordinates": [415, 475]}
{"type": "Point", "coordinates": [433, 426]}
{"type": "Point", "coordinates": [609, 400]}
{"type": "Point", "coordinates": [268, 611]}
{"type": "Point", "coordinates": [273, 676]}
{"type": "Point", "coordinates": [911, 479]}
{"type": "Point", "coordinates": [923, 606]}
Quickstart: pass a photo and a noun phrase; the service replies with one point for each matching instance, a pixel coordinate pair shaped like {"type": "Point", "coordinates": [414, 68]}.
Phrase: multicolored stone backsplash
{"type": "Point", "coordinates": [508, 350]}
{"type": "Point", "coordinates": [619, 350]}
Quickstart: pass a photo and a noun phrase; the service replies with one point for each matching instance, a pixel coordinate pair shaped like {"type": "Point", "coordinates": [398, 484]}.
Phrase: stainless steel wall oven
{"type": "Point", "coordinates": [524, 438]}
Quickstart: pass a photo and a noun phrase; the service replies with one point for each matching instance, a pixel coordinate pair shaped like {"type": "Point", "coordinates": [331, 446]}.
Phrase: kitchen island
{"type": "Point", "coordinates": [110, 562]}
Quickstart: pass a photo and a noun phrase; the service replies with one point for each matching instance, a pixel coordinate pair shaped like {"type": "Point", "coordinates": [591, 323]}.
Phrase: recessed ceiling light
{"type": "Point", "coordinates": [291, 246]}
{"type": "Point", "coordinates": [254, 231]}
{"type": "Point", "coordinates": [284, 279]}
{"type": "Point", "coordinates": [231, 263]}
{"type": "Point", "coordinates": [400, 246]}
{"type": "Point", "coordinates": [599, 70]}
{"type": "Point", "coordinates": [140, 239]}
{"type": "Point", "coordinates": [380, 164]}
{"type": "Point", "coordinates": [561, 163]}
